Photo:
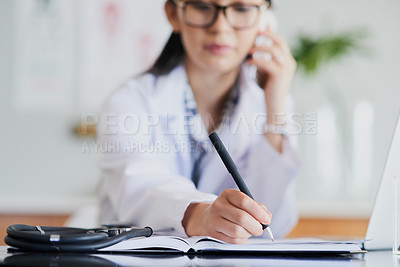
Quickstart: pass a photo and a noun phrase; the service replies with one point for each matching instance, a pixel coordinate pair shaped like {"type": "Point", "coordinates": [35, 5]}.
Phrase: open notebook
{"type": "Point", "coordinates": [212, 245]}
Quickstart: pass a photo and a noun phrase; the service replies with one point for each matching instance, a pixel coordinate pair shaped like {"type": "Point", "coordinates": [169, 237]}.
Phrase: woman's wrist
{"type": "Point", "coordinates": [275, 128]}
{"type": "Point", "coordinates": [275, 141]}
{"type": "Point", "coordinates": [193, 218]}
{"type": "Point", "coordinates": [276, 116]}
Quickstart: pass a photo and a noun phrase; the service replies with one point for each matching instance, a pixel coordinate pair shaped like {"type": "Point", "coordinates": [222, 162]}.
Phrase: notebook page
{"type": "Point", "coordinates": [281, 245]}
{"type": "Point", "coordinates": [153, 242]}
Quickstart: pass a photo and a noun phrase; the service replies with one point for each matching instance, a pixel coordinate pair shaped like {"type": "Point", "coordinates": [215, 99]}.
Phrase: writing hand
{"type": "Point", "coordinates": [233, 217]}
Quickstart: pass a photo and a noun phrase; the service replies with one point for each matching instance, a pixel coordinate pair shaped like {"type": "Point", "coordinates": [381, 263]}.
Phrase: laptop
{"type": "Point", "coordinates": [380, 232]}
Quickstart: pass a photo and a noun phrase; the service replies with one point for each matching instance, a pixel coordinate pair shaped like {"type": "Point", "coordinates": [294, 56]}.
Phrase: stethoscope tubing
{"type": "Point", "coordinates": [67, 234]}
{"type": "Point", "coordinates": [28, 238]}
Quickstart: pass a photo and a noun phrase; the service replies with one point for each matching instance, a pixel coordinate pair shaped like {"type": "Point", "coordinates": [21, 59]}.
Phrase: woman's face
{"type": "Point", "coordinates": [218, 47]}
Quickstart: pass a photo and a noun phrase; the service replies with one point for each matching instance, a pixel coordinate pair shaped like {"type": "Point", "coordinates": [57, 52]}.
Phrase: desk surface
{"type": "Point", "coordinates": [370, 259]}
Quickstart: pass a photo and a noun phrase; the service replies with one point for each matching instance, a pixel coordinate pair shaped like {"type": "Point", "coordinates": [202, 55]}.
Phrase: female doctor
{"type": "Point", "coordinates": [162, 171]}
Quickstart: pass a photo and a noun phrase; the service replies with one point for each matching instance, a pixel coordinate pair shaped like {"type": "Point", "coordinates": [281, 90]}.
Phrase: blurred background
{"type": "Point", "coordinates": [59, 59]}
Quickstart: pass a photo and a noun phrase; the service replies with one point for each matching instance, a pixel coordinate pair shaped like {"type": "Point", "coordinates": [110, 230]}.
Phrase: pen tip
{"type": "Point", "coordinates": [269, 233]}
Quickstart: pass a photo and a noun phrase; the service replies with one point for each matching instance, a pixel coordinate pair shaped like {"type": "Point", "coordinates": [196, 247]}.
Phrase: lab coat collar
{"type": "Point", "coordinates": [168, 103]}
{"type": "Point", "coordinates": [169, 93]}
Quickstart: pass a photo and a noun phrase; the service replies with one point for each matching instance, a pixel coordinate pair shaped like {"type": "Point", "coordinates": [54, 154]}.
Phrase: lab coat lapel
{"type": "Point", "coordinates": [243, 123]}
{"type": "Point", "coordinates": [169, 103]}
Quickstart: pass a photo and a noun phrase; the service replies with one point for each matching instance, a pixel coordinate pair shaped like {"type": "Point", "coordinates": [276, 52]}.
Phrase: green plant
{"type": "Point", "coordinates": [311, 53]}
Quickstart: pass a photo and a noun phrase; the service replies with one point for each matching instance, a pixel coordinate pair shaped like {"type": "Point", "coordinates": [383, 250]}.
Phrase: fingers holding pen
{"type": "Point", "coordinates": [233, 217]}
{"type": "Point", "coordinates": [244, 211]}
{"type": "Point", "coordinates": [248, 205]}
{"type": "Point", "coordinates": [231, 221]}
{"type": "Point", "coordinates": [239, 222]}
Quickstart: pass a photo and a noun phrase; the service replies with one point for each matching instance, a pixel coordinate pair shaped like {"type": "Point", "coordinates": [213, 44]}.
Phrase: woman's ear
{"type": "Point", "coordinates": [172, 15]}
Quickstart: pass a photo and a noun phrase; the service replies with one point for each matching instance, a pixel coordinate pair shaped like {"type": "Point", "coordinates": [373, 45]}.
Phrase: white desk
{"type": "Point", "coordinates": [370, 259]}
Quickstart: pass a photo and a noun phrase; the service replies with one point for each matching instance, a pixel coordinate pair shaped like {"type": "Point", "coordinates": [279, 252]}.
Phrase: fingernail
{"type": "Point", "coordinates": [269, 213]}
{"type": "Point", "coordinates": [267, 219]}
{"type": "Point", "coordinates": [264, 55]}
{"type": "Point", "coordinates": [279, 59]}
{"type": "Point", "coordinates": [264, 41]}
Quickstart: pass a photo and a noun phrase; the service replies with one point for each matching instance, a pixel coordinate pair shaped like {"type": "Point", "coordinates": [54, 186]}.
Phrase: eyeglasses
{"type": "Point", "coordinates": [200, 14]}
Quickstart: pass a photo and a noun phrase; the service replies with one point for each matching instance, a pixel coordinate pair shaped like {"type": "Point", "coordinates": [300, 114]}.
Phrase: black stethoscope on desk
{"type": "Point", "coordinates": [67, 239]}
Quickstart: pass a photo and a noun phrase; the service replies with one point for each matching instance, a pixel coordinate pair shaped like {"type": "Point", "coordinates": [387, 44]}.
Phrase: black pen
{"type": "Point", "coordinates": [232, 169]}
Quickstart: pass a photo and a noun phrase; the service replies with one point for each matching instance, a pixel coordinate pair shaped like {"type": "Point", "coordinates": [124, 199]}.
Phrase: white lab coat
{"type": "Point", "coordinates": [146, 172]}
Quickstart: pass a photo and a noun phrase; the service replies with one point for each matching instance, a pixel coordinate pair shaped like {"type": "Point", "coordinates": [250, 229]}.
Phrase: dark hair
{"type": "Point", "coordinates": [172, 54]}
{"type": "Point", "coordinates": [170, 57]}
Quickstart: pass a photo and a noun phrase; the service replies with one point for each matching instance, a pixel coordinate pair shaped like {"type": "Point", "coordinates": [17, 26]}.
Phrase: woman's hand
{"type": "Point", "coordinates": [274, 72]}
{"type": "Point", "coordinates": [233, 217]}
